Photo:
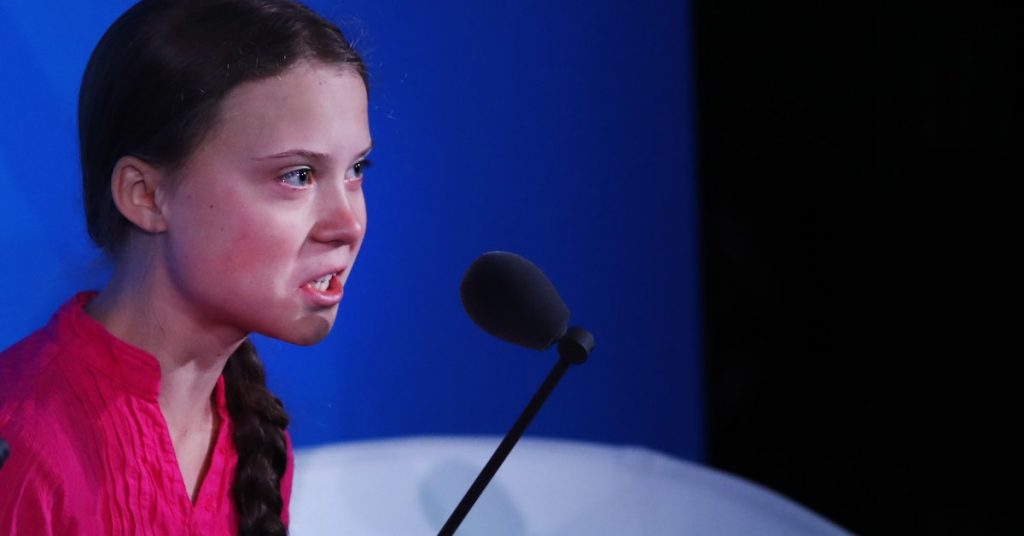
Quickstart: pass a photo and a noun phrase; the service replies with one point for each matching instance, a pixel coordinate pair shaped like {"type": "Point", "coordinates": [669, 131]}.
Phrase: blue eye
{"type": "Point", "coordinates": [298, 178]}
{"type": "Point", "coordinates": [359, 169]}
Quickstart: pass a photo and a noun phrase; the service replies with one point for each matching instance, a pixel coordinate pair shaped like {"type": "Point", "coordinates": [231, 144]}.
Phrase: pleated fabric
{"type": "Point", "coordinates": [90, 448]}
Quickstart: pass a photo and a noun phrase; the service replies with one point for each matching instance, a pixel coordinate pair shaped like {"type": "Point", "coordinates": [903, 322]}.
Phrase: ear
{"type": "Point", "coordinates": [135, 185]}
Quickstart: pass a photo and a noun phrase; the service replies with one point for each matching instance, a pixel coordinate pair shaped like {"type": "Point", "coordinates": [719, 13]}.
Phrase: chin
{"type": "Point", "coordinates": [305, 332]}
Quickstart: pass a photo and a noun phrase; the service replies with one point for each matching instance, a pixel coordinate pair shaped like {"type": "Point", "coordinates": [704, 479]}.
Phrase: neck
{"type": "Point", "coordinates": [140, 308]}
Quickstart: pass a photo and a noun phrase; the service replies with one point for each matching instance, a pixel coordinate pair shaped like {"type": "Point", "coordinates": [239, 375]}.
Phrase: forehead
{"type": "Point", "coordinates": [311, 106]}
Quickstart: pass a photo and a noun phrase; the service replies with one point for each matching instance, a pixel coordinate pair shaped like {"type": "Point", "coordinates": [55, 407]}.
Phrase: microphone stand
{"type": "Point", "coordinates": [573, 349]}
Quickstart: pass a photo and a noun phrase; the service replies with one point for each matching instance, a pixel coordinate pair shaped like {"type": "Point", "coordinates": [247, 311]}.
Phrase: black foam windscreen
{"type": "Point", "coordinates": [510, 298]}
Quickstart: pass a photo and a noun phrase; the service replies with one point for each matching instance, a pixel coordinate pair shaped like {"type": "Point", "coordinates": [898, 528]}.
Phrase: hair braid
{"type": "Point", "coordinates": [260, 421]}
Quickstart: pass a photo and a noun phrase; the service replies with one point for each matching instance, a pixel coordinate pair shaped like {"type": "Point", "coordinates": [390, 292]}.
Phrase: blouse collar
{"type": "Point", "coordinates": [129, 367]}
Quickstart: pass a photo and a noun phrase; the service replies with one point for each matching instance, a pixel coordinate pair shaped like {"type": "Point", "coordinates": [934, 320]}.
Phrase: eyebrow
{"type": "Point", "coordinates": [311, 155]}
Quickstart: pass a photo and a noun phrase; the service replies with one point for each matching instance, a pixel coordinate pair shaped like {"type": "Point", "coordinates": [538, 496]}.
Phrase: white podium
{"type": "Point", "coordinates": [409, 487]}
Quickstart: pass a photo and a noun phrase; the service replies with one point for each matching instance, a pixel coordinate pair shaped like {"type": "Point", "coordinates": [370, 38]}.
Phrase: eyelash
{"type": "Point", "coordinates": [359, 169]}
{"type": "Point", "coordinates": [361, 166]}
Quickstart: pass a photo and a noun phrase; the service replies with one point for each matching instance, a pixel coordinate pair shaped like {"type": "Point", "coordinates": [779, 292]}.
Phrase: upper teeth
{"type": "Point", "coordinates": [322, 283]}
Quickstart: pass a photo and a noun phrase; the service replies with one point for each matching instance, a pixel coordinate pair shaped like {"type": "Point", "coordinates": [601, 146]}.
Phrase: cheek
{"type": "Point", "coordinates": [231, 244]}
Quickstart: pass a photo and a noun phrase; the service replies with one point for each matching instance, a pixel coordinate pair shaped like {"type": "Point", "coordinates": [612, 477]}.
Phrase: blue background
{"type": "Point", "coordinates": [559, 130]}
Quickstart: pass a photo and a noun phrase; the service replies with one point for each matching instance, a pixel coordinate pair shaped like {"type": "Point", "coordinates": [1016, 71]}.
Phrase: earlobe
{"type": "Point", "coordinates": [134, 185]}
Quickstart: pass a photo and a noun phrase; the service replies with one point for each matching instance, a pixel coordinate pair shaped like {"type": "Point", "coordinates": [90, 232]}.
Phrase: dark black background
{"type": "Point", "coordinates": [858, 166]}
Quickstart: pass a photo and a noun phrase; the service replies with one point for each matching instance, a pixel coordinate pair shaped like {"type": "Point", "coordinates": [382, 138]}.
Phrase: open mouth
{"type": "Point", "coordinates": [329, 284]}
{"type": "Point", "coordinates": [323, 283]}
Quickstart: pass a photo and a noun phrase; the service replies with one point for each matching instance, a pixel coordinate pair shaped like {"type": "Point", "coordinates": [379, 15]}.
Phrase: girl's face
{"type": "Point", "coordinates": [265, 220]}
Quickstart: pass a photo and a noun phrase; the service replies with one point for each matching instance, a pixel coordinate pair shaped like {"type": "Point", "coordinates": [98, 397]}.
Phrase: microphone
{"type": "Point", "coordinates": [510, 298]}
{"type": "Point", "coordinates": [5, 450]}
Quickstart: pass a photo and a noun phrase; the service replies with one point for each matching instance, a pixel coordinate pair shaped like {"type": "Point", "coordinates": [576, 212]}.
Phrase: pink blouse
{"type": "Point", "coordinates": [90, 449]}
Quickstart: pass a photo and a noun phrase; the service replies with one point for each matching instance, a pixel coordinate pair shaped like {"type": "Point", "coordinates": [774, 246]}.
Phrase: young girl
{"type": "Point", "coordinates": [223, 144]}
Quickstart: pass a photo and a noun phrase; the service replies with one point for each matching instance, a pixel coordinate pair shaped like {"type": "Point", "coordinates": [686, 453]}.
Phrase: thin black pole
{"type": "Point", "coordinates": [511, 438]}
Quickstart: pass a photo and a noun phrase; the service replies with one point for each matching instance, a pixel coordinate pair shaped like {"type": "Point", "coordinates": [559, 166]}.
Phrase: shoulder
{"type": "Point", "coordinates": [40, 378]}
{"type": "Point", "coordinates": [36, 385]}
{"type": "Point", "coordinates": [33, 365]}
{"type": "Point", "coordinates": [36, 496]}
{"type": "Point", "coordinates": [39, 418]}
{"type": "Point", "coordinates": [23, 362]}
{"type": "Point", "coordinates": [29, 377]}
{"type": "Point", "coordinates": [40, 421]}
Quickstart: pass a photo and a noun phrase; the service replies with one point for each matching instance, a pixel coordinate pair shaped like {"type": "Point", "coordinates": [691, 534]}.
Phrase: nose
{"type": "Point", "coordinates": [340, 214]}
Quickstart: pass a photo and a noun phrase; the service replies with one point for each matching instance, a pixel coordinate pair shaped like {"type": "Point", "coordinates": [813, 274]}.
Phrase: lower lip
{"type": "Point", "coordinates": [326, 298]}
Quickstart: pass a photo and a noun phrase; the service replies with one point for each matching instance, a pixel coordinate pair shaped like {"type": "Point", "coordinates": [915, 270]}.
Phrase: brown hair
{"type": "Point", "coordinates": [152, 90]}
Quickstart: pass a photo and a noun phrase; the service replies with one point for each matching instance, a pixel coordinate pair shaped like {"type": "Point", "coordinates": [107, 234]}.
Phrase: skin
{"type": "Point", "coordinates": [223, 246]}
